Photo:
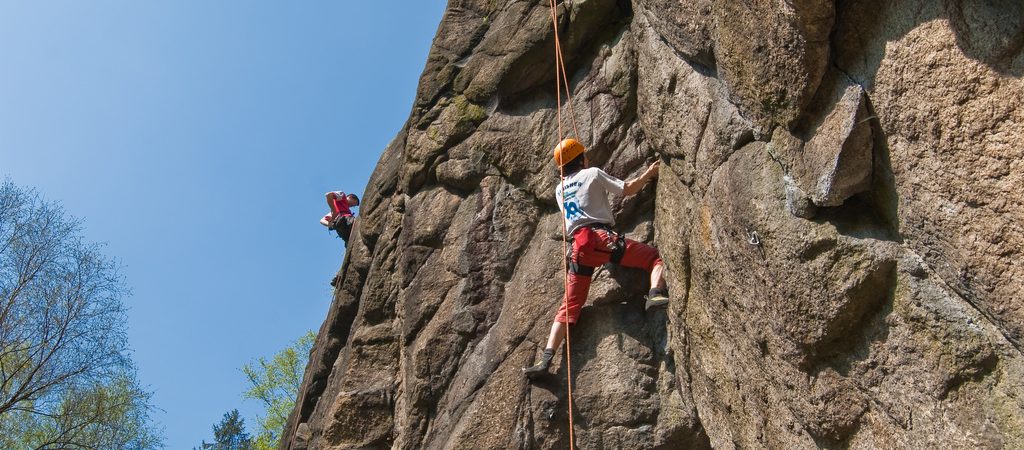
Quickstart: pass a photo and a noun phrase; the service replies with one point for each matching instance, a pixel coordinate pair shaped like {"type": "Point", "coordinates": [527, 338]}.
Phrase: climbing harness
{"type": "Point", "coordinates": [577, 268]}
{"type": "Point", "coordinates": [343, 226]}
{"type": "Point", "coordinates": [618, 246]}
{"type": "Point", "coordinates": [617, 249]}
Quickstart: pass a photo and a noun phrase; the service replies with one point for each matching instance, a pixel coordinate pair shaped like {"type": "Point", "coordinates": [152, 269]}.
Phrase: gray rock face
{"type": "Point", "coordinates": [839, 208]}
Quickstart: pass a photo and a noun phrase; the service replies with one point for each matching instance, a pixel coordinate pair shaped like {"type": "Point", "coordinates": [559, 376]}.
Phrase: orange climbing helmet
{"type": "Point", "coordinates": [568, 150]}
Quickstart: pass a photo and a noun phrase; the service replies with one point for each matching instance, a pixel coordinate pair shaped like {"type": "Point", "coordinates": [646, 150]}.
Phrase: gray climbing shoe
{"type": "Point", "coordinates": [656, 299]}
{"type": "Point", "coordinates": [541, 368]}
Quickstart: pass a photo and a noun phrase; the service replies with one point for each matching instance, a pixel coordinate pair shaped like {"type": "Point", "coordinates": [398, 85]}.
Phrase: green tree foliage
{"type": "Point", "coordinates": [112, 415]}
{"type": "Point", "coordinates": [275, 383]}
{"type": "Point", "coordinates": [66, 380]}
{"type": "Point", "coordinates": [229, 434]}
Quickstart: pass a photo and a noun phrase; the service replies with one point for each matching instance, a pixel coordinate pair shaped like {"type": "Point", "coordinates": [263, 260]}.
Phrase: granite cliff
{"type": "Point", "coordinates": [839, 206]}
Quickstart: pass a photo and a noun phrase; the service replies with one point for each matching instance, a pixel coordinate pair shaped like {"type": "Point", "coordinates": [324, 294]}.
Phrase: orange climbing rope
{"type": "Point", "coordinates": [560, 77]}
{"type": "Point", "coordinates": [560, 69]}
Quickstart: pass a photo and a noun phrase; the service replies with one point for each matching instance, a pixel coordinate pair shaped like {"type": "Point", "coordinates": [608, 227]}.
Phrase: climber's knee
{"type": "Point", "coordinates": [576, 290]}
{"type": "Point", "coordinates": [641, 256]}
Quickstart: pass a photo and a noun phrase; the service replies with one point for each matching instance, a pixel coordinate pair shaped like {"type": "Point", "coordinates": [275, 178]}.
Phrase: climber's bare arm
{"type": "Point", "coordinates": [330, 204]}
{"type": "Point", "coordinates": [635, 185]}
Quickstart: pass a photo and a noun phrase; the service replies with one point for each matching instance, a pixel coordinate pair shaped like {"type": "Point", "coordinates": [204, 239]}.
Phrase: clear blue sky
{"type": "Point", "coordinates": [196, 138]}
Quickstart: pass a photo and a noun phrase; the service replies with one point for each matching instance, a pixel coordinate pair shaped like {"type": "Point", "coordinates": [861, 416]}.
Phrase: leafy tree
{"type": "Point", "coordinates": [229, 434]}
{"type": "Point", "coordinates": [66, 380]}
{"type": "Point", "coordinates": [276, 384]}
{"type": "Point", "coordinates": [113, 415]}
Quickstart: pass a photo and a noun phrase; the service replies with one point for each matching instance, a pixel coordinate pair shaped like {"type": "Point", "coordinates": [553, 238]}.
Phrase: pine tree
{"type": "Point", "coordinates": [229, 434]}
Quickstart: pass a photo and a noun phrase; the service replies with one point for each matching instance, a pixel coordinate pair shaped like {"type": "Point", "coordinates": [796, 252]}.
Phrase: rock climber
{"type": "Point", "coordinates": [582, 197]}
{"type": "Point", "coordinates": [340, 217]}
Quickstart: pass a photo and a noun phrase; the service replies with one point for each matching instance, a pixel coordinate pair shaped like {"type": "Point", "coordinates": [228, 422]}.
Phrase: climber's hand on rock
{"type": "Point", "coordinates": [634, 186]}
{"type": "Point", "coordinates": [652, 172]}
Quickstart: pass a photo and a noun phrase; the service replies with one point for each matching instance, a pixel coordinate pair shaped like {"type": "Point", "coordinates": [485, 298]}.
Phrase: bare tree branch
{"type": "Point", "coordinates": [63, 344]}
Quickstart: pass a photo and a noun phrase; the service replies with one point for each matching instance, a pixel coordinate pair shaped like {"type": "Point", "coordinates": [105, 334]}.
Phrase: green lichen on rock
{"type": "Point", "coordinates": [468, 111]}
{"type": "Point", "coordinates": [458, 118]}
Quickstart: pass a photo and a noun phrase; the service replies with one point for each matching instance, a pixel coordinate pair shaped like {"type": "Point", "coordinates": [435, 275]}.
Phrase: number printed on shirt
{"type": "Point", "coordinates": [571, 210]}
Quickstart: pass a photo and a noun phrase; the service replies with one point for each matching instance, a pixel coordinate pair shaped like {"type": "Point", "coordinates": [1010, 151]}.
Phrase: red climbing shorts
{"type": "Point", "coordinates": [593, 247]}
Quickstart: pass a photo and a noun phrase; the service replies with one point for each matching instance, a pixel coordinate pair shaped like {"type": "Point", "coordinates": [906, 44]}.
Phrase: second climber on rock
{"type": "Point", "coordinates": [583, 198]}
{"type": "Point", "coordinates": [340, 217]}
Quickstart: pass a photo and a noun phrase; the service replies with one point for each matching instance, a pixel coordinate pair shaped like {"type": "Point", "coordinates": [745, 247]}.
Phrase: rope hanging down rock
{"type": "Point", "coordinates": [562, 79]}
